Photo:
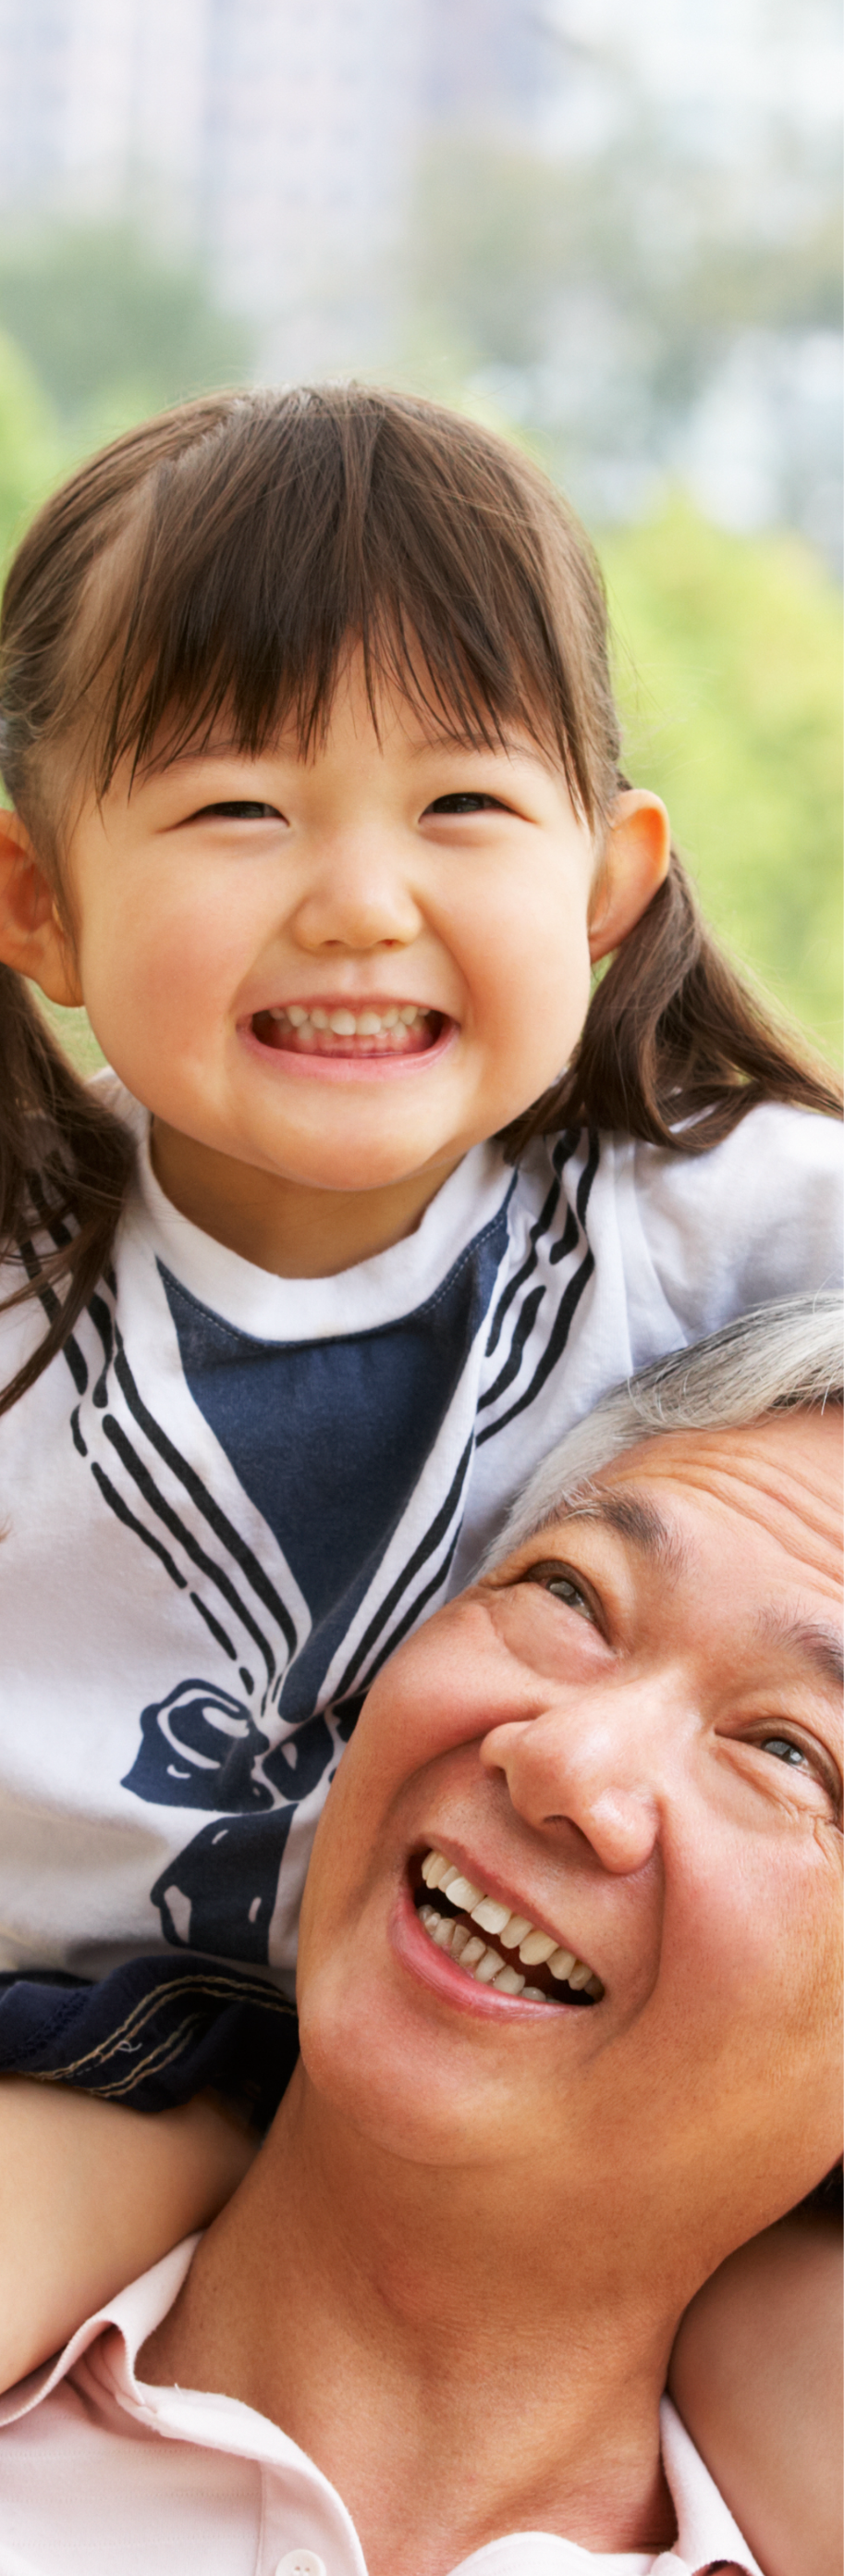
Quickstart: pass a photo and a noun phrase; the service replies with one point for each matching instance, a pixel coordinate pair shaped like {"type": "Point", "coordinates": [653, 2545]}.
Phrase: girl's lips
{"type": "Point", "coordinates": [313, 1067]}
{"type": "Point", "coordinates": [431, 1967]}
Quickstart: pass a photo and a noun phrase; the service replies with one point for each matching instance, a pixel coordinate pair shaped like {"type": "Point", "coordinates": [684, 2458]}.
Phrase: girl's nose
{"type": "Point", "coordinates": [357, 898]}
{"type": "Point", "coordinates": [560, 1774]}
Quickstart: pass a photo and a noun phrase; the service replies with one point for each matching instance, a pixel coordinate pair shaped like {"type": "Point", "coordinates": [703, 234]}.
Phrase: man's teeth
{"type": "Point", "coordinates": [512, 1931]}
{"type": "Point", "coordinates": [344, 1023]}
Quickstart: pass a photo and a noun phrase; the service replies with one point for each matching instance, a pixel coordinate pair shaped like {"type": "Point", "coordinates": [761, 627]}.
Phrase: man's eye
{"type": "Point", "coordinates": [806, 1758]}
{"type": "Point", "coordinates": [239, 809]}
{"type": "Point", "coordinates": [565, 1587]}
{"type": "Point", "coordinates": [783, 1750]}
{"type": "Point", "coordinates": [465, 804]}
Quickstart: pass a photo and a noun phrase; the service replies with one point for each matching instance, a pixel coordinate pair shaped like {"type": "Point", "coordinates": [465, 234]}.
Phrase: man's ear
{"type": "Point", "coordinates": [32, 937]}
{"type": "Point", "coordinates": [634, 864]}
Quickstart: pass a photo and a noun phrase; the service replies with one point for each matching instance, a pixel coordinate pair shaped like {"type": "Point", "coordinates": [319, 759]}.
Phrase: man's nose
{"type": "Point", "coordinates": [582, 1768]}
{"type": "Point", "coordinates": [357, 897]}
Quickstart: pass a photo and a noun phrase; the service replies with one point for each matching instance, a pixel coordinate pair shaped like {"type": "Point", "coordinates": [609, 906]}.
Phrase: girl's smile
{"type": "Point", "coordinates": [372, 1036]}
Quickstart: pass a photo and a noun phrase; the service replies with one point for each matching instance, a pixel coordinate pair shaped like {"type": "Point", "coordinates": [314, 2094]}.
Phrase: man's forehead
{"type": "Point", "coordinates": [776, 1483]}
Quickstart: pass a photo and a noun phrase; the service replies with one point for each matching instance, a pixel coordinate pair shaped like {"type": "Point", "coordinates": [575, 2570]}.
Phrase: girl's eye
{"type": "Point", "coordinates": [239, 809]}
{"type": "Point", "coordinates": [564, 1586]}
{"type": "Point", "coordinates": [466, 804]}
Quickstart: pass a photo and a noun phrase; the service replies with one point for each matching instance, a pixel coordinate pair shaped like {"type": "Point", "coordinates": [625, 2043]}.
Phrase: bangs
{"type": "Point", "coordinates": [297, 526]}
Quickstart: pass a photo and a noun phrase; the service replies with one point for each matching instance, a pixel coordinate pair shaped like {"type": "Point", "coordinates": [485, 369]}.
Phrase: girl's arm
{"type": "Point", "coordinates": [756, 2373]}
{"type": "Point", "coordinates": [90, 2196]}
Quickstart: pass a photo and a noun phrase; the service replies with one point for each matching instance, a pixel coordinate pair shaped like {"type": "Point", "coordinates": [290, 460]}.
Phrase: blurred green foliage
{"type": "Point", "coordinates": [729, 672]}
{"type": "Point", "coordinates": [601, 296]}
{"type": "Point", "coordinates": [30, 443]}
{"type": "Point", "coordinates": [112, 329]}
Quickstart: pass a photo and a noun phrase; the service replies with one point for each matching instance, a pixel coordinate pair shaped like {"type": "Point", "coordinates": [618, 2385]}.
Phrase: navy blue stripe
{"type": "Point", "coordinates": [556, 1343]}
{"type": "Point", "coordinates": [141, 1477]}
{"type": "Point", "coordinates": [513, 1363]}
{"type": "Point", "coordinates": [217, 1519]}
{"type": "Point", "coordinates": [122, 1513]}
{"type": "Point", "coordinates": [420, 1557]}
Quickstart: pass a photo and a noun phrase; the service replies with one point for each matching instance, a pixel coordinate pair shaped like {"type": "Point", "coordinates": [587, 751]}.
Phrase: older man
{"type": "Point", "coordinates": [569, 2022]}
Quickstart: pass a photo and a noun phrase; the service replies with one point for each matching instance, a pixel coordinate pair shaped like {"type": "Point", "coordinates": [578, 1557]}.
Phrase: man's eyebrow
{"type": "Point", "coordinates": [635, 1518]}
{"type": "Point", "coordinates": [816, 1642]}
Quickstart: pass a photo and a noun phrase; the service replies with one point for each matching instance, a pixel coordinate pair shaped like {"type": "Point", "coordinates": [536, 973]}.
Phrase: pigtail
{"type": "Point", "coordinates": [65, 1163]}
{"type": "Point", "coordinates": [676, 1048]}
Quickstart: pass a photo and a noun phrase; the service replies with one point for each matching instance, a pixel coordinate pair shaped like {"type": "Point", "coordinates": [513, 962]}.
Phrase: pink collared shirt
{"type": "Point", "coordinates": [100, 2472]}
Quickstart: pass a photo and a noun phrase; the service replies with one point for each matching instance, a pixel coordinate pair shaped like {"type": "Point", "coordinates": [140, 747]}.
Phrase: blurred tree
{"type": "Point", "coordinates": [599, 296]}
{"type": "Point", "coordinates": [729, 675]}
{"type": "Point", "coordinates": [112, 329]}
{"type": "Point", "coordinates": [29, 443]}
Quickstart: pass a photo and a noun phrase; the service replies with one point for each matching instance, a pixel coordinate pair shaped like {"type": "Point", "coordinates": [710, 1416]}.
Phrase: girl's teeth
{"type": "Point", "coordinates": [510, 1931]}
{"type": "Point", "coordinates": [344, 1023]}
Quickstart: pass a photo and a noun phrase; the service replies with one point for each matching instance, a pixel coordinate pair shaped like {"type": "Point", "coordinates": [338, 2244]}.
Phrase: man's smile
{"type": "Point", "coordinates": [493, 1944]}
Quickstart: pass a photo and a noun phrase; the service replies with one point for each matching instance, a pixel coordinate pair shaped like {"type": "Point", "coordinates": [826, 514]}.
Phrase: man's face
{"type": "Point", "coordinates": [628, 1736]}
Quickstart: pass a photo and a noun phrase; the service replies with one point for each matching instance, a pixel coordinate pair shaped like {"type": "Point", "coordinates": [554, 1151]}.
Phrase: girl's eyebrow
{"type": "Point", "coordinates": [188, 759]}
{"type": "Point", "coordinates": [510, 747]}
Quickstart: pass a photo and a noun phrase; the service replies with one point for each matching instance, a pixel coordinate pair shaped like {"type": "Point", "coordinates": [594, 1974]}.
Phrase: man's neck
{"type": "Point", "coordinates": [414, 2346]}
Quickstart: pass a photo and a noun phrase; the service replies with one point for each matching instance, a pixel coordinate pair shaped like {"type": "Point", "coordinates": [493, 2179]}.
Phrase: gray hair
{"type": "Point", "coordinates": [781, 1358]}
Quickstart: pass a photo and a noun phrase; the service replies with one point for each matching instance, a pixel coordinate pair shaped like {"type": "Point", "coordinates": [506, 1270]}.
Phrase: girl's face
{"type": "Point", "coordinates": [342, 972]}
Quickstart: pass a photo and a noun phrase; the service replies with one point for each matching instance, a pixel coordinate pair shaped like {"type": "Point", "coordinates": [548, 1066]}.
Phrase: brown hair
{"type": "Point", "coordinates": [246, 538]}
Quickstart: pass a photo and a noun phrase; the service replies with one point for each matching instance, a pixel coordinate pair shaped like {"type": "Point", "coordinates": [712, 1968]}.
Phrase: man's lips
{"type": "Point", "coordinates": [479, 1950]}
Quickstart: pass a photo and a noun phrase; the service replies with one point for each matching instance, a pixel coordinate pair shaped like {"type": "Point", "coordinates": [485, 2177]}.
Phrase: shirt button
{"type": "Point", "coordinates": [301, 2562]}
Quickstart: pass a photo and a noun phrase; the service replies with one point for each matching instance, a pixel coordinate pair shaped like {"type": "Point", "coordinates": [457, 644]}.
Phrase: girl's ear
{"type": "Point", "coordinates": [634, 864]}
{"type": "Point", "coordinates": [32, 938]}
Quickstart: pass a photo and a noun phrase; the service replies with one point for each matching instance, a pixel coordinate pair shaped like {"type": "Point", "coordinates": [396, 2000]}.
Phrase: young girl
{"type": "Point", "coordinates": [308, 730]}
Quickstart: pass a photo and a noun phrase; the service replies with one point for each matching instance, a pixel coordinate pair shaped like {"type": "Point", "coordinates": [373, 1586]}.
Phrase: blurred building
{"type": "Point", "coordinates": [276, 137]}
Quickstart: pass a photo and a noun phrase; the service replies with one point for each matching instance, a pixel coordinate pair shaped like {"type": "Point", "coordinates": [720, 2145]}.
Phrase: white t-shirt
{"type": "Point", "coordinates": [233, 1494]}
{"type": "Point", "coordinates": [99, 2471]}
